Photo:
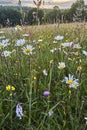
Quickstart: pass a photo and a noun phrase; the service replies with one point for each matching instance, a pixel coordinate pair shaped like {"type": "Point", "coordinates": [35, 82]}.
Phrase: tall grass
{"type": "Point", "coordinates": [65, 107]}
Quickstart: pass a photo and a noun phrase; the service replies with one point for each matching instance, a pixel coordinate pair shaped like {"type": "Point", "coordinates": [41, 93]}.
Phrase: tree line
{"type": "Point", "coordinates": [11, 16]}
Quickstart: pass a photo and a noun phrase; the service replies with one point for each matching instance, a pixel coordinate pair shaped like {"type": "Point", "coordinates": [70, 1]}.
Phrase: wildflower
{"type": "Point", "coordinates": [76, 46]}
{"type": "Point", "coordinates": [18, 28]}
{"type": "Point", "coordinates": [76, 53]}
{"type": "Point", "coordinates": [19, 111]}
{"type": "Point", "coordinates": [4, 43]}
{"type": "Point", "coordinates": [45, 72]}
{"type": "Point", "coordinates": [67, 44]}
{"type": "Point", "coordinates": [2, 37]}
{"type": "Point", "coordinates": [53, 50]}
{"type": "Point", "coordinates": [61, 65]}
{"type": "Point", "coordinates": [25, 35]}
{"type": "Point", "coordinates": [28, 49]}
{"type": "Point", "coordinates": [6, 53]}
{"type": "Point", "coordinates": [35, 78]}
{"type": "Point", "coordinates": [40, 40]}
{"type": "Point", "coordinates": [20, 42]}
{"type": "Point", "coordinates": [71, 81]}
{"type": "Point", "coordinates": [46, 93]}
{"type": "Point", "coordinates": [79, 68]}
{"type": "Point", "coordinates": [59, 38]}
{"type": "Point", "coordinates": [50, 113]}
{"type": "Point", "coordinates": [85, 119]}
{"type": "Point", "coordinates": [51, 61]}
{"type": "Point", "coordinates": [1, 32]}
{"type": "Point", "coordinates": [9, 87]}
{"type": "Point", "coordinates": [84, 52]}
{"type": "Point", "coordinates": [54, 42]}
{"type": "Point", "coordinates": [10, 94]}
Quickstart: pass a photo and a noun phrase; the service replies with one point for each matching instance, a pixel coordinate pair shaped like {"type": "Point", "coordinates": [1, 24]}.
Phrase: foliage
{"type": "Point", "coordinates": [13, 15]}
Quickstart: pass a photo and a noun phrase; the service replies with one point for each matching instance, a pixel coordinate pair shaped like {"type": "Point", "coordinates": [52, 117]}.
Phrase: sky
{"type": "Point", "coordinates": [63, 4]}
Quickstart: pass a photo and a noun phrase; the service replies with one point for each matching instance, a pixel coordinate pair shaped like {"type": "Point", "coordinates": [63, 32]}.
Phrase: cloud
{"type": "Point", "coordinates": [48, 3]}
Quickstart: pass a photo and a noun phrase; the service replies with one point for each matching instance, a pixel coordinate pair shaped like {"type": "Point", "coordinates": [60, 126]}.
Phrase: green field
{"type": "Point", "coordinates": [43, 77]}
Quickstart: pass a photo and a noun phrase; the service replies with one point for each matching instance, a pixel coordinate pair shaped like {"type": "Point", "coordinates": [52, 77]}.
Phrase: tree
{"type": "Point", "coordinates": [11, 15]}
{"type": "Point", "coordinates": [32, 16]}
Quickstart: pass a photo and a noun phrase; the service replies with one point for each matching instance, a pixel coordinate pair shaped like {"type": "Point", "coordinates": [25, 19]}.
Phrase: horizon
{"type": "Point", "coordinates": [62, 4]}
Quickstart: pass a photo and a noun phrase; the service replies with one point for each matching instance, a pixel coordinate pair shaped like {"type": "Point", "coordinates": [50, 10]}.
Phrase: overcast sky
{"type": "Point", "coordinates": [48, 3]}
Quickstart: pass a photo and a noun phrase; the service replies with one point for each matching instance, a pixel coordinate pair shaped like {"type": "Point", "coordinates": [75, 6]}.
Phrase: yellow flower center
{"type": "Point", "coordinates": [70, 81]}
{"type": "Point", "coordinates": [28, 50]}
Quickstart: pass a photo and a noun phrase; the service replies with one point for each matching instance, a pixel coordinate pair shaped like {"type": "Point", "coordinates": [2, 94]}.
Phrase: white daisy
{"type": "Point", "coordinates": [4, 43]}
{"type": "Point", "coordinates": [67, 44]}
{"type": "Point", "coordinates": [20, 42]}
{"type": "Point", "coordinates": [71, 81]}
{"type": "Point", "coordinates": [59, 38]}
{"type": "Point", "coordinates": [6, 53]}
{"type": "Point", "coordinates": [25, 35]}
{"type": "Point", "coordinates": [77, 46]}
{"type": "Point", "coordinates": [84, 52]}
{"type": "Point", "coordinates": [28, 49]}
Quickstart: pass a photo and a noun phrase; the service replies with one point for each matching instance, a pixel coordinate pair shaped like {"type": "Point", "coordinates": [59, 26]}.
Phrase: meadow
{"type": "Point", "coordinates": [43, 77]}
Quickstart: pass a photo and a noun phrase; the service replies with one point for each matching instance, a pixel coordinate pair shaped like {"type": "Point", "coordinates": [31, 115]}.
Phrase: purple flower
{"type": "Point", "coordinates": [46, 93]}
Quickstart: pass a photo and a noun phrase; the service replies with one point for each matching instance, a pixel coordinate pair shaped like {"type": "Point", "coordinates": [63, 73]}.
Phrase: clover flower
{"type": "Point", "coordinates": [71, 81]}
{"type": "Point", "coordinates": [27, 50]}
{"type": "Point", "coordinates": [19, 111]}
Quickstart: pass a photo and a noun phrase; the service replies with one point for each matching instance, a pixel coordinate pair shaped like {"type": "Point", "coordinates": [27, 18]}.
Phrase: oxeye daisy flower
{"type": "Point", "coordinates": [6, 53]}
{"type": "Point", "coordinates": [20, 42]}
{"type": "Point", "coordinates": [4, 43]}
{"type": "Point", "coordinates": [27, 50]}
{"type": "Point", "coordinates": [71, 81]}
{"type": "Point", "coordinates": [77, 46]}
{"type": "Point", "coordinates": [61, 65]}
{"type": "Point", "coordinates": [67, 44]}
{"type": "Point", "coordinates": [59, 38]}
{"type": "Point", "coordinates": [84, 52]}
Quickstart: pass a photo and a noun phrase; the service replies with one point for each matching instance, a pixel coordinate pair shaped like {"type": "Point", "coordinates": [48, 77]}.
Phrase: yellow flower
{"type": "Point", "coordinates": [39, 47]}
{"type": "Point", "coordinates": [77, 53]}
{"type": "Point", "coordinates": [8, 87]}
{"type": "Point", "coordinates": [35, 78]}
{"type": "Point", "coordinates": [67, 41]}
{"type": "Point", "coordinates": [10, 94]}
{"type": "Point", "coordinates": [79, 68]}
{"type": "Point", "coordinates": [13, 88]}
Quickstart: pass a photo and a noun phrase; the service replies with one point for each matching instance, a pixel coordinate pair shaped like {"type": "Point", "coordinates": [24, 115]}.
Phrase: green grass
{"type": "Point", "coordinates": [25, 74]}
